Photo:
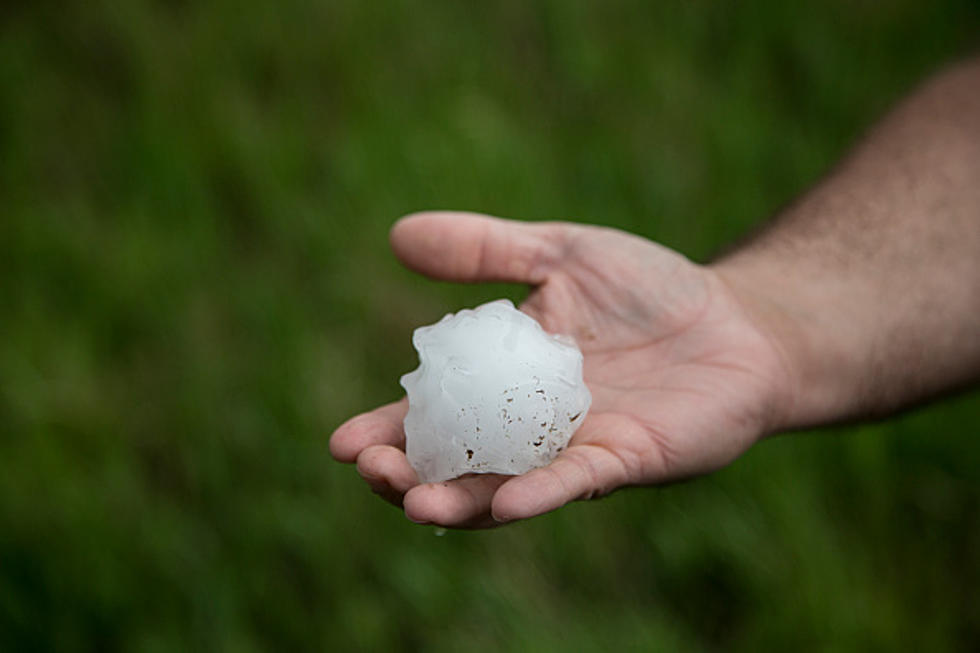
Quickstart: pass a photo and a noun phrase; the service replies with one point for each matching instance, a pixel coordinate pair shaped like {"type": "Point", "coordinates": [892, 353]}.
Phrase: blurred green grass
{"type": "Point", "coordinates": [196, 289]}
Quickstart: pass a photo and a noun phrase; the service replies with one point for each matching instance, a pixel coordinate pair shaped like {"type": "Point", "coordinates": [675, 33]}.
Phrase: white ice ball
{"type": "Point", "coordinates": [493, 393]}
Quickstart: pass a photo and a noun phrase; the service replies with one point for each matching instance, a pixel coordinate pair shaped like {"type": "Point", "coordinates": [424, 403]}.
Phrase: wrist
{"type": "Point", "coordinates": [805, 333]}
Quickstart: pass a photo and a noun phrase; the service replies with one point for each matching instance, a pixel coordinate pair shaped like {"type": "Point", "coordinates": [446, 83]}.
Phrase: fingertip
{"type": "Point", "coordinates": [410, 232]}
{"type": "Point", "coordinates": [380, 426]}
{"type": "Point", "coordinates": [445, 504]}
{"type": "Point", "coordinates": [500, 511]}
{"type": "Point", "coordinates": [341, 445]}
{"type": "Point", "coordinates": [396, 234]}
{"type": "Point", "coordinates": [501, 517]}
{"type": "Point", "coordinates": [502, 505]}
{"type": "Point", "coordinates": [460, 503]}
{"type": "Point", "coordinates": [417, 508]}
{"type": "Point", "coordinates": [388, 464]}
{"type": "Point", "coordinates": [370, 461]}
{"type": "Point", "coordinates": [524, 497]}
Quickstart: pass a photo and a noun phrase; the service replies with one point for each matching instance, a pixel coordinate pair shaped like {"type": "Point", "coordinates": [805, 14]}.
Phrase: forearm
{"type": "Point", "coordinates": [870, 283]}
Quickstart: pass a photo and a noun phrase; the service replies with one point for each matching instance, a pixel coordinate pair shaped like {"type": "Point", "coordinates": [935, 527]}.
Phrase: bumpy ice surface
{"type": "Point", "coordinates": [493, 393]}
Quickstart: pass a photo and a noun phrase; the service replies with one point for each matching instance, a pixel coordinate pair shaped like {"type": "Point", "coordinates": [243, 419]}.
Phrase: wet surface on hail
{"type": "Point", "coordinates": [493, 393]}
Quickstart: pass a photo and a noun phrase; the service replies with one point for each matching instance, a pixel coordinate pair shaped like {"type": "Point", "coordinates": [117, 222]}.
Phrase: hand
{"type": "Point", "coordinates": [683, 380]}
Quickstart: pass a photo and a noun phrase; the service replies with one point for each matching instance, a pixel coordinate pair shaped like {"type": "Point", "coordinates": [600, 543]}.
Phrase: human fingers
{"type": "Point", "coordinates": [586, 469]}
{"type": "Point", "coordinates": [460, 246]}
{"type": "Point", "coordinates": [386, 470]}
{"type": "Point", "coordinates": [382, 425]}
{"type": "Point", "coordinates": [459, 503]}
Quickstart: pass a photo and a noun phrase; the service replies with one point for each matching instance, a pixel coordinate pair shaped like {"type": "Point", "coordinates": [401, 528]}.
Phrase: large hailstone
{"type": "Point", "coordinates": [493, 393]}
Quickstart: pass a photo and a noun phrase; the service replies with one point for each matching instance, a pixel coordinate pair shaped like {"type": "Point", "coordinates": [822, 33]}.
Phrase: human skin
{"type": "Point", "coordinates": [860, 299]}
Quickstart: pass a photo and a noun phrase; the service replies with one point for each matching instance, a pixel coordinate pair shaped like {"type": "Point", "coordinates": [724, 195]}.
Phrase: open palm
{"type": "Point", "coordinates": [682, 380]}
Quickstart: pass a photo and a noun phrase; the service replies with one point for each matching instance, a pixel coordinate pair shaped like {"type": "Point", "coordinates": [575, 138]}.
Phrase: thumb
{"type": "Point", "coordinates": [459, 246]}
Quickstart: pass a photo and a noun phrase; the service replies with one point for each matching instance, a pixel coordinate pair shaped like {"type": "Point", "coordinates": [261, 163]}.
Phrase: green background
{"type": "Point", "coordinates": [196, 288]}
